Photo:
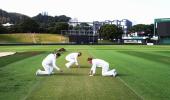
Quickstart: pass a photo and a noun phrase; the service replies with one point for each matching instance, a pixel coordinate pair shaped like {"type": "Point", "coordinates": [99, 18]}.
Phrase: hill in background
{"type": "Point", "coordinates": [14, 18]}
{"type": "Point", "coordinates": [41, 23]}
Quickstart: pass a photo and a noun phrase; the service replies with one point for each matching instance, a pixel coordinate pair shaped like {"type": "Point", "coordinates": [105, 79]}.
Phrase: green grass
{"type": "Point", "coordinates": [105, 41]}
{"type": "Point", "coordinates": [18, 77]}
{"type": "Point", "coordinates": [144, 73]}
{"type": "Point", "coordinates": [16, 57]}
{"type": "Point", "coordinates": [75, 84]}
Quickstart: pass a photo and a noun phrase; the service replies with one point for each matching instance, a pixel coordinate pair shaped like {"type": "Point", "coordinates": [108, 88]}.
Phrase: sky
{"type": "Point", "coordinates": [137, 11]}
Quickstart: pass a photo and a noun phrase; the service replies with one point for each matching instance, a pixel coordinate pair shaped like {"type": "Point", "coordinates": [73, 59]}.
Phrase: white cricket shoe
{"type": "Point", "coordinates": [114, 70]}
{"type": "Point", "coordinates": [37, 72]}
{"type": "Point", "coordinates": [115, 74]}
{"type": "Point", "coordinates": [67, 65]}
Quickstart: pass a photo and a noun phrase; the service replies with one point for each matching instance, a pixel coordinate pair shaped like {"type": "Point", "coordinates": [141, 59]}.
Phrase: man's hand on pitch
{"type": "Point", "coordinates": [77, 63]}
{"type": "Point", "coordinates": [91, 75]}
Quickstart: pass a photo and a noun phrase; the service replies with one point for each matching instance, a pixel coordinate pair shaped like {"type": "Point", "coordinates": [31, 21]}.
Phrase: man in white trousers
{"type": "Point", "coordinates": [49, 63]}
{"type": "Point", "coordinates": [103, 64]}
{"type": "Point", "coordinates": [72, 59]}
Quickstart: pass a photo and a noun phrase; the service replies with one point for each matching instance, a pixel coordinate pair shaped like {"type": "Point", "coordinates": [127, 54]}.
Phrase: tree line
{"type": "Point", "coordinates": [43, 23]}
{"type": "Point", "coordinates": [40, 23]}
{"type": "Point", "coordinates": [110, 32]}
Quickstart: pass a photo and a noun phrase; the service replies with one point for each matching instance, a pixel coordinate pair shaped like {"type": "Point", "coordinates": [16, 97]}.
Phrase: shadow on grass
{"type": "Point", "coordinates": [70, 74]}
{"type": "Point", "coordinates": [118, 75]}
{"type": "Point", "coordinates": [85, 67]}
{"type": "Point", "coordinates": [122, 75]}
{"type": "Point", "coordinates": [65, 74]}
{"type": "Point", "coordinates": [81, 74]}
{"type": "Point", "coordinates": [80, 67]}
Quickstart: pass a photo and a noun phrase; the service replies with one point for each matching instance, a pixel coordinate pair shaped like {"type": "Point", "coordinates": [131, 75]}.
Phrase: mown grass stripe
{"type": "Point", "coordinates": [16, 57]}
{"type": "Point", "coordinates": [17, 78]}
{"type": "Point", "coordinates": [148, 78]}
{"type": "Point", "coordinates": [148, 56]}
{"type": "Point", "coordinates": [130, 88]}
{"type": "Point", "coordinates": [93, 54]}
{"type": "Point", "coordinates": [75, 84]}
{"type": "Point", "coordinates": [33, 87]}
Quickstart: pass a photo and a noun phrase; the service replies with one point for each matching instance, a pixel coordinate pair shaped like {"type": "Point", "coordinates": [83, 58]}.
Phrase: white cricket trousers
{"type": "Point", "coordinates": [47, 70]}
{"type": "Point", "coordinates": [71, 61]}
{"type": "Point", "coordinates": [106, 72]}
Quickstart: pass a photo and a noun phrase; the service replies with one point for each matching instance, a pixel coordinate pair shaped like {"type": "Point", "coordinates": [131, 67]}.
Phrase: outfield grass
{"type": "Point", "coordinates": [144, 74]}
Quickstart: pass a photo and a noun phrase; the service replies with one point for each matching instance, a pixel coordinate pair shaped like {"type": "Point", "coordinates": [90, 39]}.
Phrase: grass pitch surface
{"type": "Point", "coordinates": [144, 73]}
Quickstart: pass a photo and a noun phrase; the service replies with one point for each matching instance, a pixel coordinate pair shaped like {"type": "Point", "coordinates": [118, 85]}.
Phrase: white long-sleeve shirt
{"type": "Point", "coordinates": [50, 60]}
{"type": "Point", "coordinates": [98, 63]}
{"type": "Point", "coordinates": [72, 56]}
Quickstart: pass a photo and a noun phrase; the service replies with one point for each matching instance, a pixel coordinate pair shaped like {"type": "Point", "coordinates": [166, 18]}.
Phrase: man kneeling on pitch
{"type": "Point", "coordinates": [72, 58]}
{"type": "Point", "coordinates": [48, 64]}
{"type": "Point", "coordinates": [103, 64]}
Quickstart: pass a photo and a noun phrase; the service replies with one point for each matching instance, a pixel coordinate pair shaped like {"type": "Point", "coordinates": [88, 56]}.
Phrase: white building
{"type": "Point", "coordinates": [73, 22]}
{"type": "Point", "coordinates": [125, 24]}
{"type": "Point", "coordinates": [7, 24]}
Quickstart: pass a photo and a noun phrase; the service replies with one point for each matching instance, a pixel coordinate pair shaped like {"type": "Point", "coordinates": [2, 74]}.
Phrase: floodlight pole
{"type": "Point", "coordinates": [154, 27]}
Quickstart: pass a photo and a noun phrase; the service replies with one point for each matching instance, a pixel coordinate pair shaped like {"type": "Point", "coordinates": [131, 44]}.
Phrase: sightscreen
{"type": "Point", "coordinates": [163, 28]}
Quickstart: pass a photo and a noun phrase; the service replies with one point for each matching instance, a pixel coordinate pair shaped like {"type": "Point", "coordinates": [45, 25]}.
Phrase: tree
{"type": "Point", "coordinates": [83, 26]}
{"type": "Point", "coordinates": [143, 29]}
{"type": "Point", "coordinates": [48, 23]}
{"type": "Point", "coordinates": [138, 28]}
{"type": "Point", "coordinates": [62, 18]}
{"type": "Point", "coordinates": [3, 29]}
{"type": "Point", "coordinates": [108, 32]}
{"type": "Point", "coordinates": [58, 27]}
{"type": "Point", "coordinates": [150, 30]}
{"type": "Point", "coordinates": [29, 25]}
{"type": "Point", "coordinates": [16, 28]}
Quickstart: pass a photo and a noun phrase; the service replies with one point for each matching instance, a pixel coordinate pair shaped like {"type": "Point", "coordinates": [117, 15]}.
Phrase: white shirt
{"type": "Point", "coordinates": [73, 56]}
{"type": "Point", "coordinates": [50, 60]}
{"type": "Point", "coordinates": [98, 63]}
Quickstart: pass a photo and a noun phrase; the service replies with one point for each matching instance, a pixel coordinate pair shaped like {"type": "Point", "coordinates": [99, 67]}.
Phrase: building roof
{"type": "Point", "coordinates": [162, 20]}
